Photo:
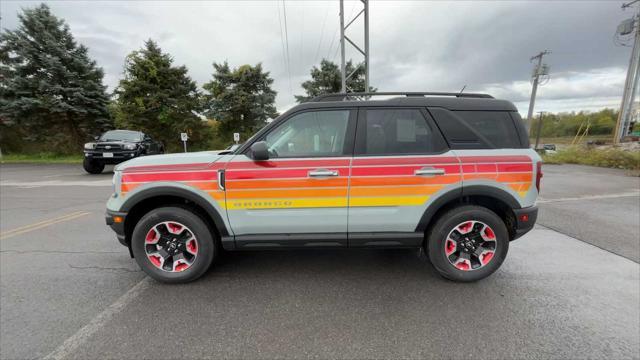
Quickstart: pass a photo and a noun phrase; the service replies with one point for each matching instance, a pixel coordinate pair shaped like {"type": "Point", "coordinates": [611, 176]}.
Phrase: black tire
{"type": "Point", "coordinates": [207, 246]}
{"type": "Point", "coordinates": [439, 232]}
{"type": "Point", "coordinates": [92, 167]}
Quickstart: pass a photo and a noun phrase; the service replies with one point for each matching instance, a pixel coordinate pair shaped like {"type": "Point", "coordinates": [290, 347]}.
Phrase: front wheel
{"type": "Point", "coordinates": [173, 245]}
{"type": "Point", "coordinates": [468, 243]}
{"type": "Point", "coordinates": [92, 166]}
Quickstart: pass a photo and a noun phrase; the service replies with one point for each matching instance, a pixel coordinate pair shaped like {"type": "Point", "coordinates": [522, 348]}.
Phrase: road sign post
{"type": "Point", "coordinates": [236, 137]}
{"type": "Point", "coordinates": [184, 137]}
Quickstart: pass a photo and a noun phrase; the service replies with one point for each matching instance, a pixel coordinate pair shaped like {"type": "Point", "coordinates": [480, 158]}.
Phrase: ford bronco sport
{"type": "Point", "coordinates": [449, 173]}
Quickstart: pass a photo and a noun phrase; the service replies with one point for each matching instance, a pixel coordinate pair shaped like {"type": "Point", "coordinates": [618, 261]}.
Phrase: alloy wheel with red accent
{"type": "Point", "coordinates": [467, 243]}
{"type": "Point", "coordinates": [470, 245]}
{"type": "Point", "coordinates": [173, 244]}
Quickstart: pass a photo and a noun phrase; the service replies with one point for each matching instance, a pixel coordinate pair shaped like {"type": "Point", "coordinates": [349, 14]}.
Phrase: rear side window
{"type": "Point", "coordinates": [396, 132]}
{"type": "Point", "coordinates": [495, 126]}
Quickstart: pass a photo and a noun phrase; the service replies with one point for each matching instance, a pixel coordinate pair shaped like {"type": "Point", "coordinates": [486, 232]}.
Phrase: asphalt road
{"type": "Point", "coordinates": [69, 290]}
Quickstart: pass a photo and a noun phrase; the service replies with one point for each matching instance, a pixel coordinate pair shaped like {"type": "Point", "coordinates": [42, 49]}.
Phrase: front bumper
{"type": "Point", "coordinates": [118, 156]}
{"type": "Point", "coordinates": [525, 220]}
{"type": "Point", "coordinates": [115, 220]}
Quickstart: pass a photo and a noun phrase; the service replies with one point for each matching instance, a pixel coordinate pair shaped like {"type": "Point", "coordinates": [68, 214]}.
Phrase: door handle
{"type": "Point", "coordinates": [323, 173]}
{"type": "Point", "coordinates": [429, 171]}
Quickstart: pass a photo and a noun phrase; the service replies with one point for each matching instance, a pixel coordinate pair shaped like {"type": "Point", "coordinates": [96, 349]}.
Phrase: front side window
{"type": "Point", "coordinates": [310, 134]}
{"type": "Point", "coordinates": [397, 131]}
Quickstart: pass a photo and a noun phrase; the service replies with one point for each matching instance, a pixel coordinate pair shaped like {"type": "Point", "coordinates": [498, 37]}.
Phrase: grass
{"type": "Point", "coordinates": [42, 158]}
{"type": "Point", "coordinates": [610, 158]}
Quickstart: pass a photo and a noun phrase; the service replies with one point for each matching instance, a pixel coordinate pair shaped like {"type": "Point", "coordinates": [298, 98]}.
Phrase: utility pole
{"type": "Point", "coordinates": [343, 86]}
{"type": "Point", "coordinates": [539, 70]}
{"type": "Point", "coordinates": [631, 83]}
{"type": "Point", "coordinates": [539, 130]}
{"type": "Point", "coordinates": [344, 39]}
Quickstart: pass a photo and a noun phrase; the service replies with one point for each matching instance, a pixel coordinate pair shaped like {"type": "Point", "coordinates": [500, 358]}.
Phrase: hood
{"type": "Point", "coordinates": [184, 161]}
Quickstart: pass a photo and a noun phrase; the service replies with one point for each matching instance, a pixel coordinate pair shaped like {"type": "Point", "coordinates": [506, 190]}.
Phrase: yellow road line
{"type": "Point", "coordinates": [42, 224]}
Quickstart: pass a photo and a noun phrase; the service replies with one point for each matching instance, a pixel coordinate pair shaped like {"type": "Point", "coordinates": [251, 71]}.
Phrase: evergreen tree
{"type": "Point", "coordinates": [241, 100]}
{"type": "Point", "coordinates": [158, 98]}
{"type": "Point", "coordinates": [328, 80]}
{"type": "Point", "coordinates": [50, 87]}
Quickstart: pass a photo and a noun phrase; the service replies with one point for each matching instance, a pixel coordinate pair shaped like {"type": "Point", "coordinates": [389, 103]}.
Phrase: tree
{"type": "Point", "coordinates": [328, 80]}
{"type": "Point", "coordinates": [158, 98]}
{"type": "Point", "coordinates": [50, 86]}
{"type": "Point", "coordinates": [241, 100]}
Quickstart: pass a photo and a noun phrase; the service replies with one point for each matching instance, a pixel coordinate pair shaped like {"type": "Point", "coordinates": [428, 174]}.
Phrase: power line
{"type": "Point", "coordinates": [284, 54]}
{"type": "Point", "coordinates": [326, 14]}
{"type": "Point", "coordinates": [286, 39]}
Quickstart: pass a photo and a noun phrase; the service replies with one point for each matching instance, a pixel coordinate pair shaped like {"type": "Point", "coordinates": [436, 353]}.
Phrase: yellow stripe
{"type": "Point", "coordinates": [285, 203]}
{"type": "Point", "coordinates": [41, 224]}
{"type": "Point", "coordinates": [324, 202]}
{"type": "Point", "coordinates": [388, 201]}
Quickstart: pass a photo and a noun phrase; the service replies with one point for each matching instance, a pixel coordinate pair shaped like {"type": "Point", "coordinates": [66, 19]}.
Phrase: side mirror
{"type": "Point", "coordinates": [96, 137]}
{"type": "Point", "coordinates": [260, 151]}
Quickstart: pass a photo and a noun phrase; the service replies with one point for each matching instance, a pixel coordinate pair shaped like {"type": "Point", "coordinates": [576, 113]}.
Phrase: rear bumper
{"type": "Point", "coordinates": [117, 227]}
{"type": "Point", "coordinates": [525, 220]}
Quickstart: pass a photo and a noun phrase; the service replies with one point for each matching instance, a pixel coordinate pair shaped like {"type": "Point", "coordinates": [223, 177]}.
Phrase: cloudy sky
{"type": "Point", "coordinates": [415, 45]}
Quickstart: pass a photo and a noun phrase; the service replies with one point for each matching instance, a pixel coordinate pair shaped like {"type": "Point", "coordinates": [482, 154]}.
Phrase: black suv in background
{"type": "Point", "coordinates": [116, 146]}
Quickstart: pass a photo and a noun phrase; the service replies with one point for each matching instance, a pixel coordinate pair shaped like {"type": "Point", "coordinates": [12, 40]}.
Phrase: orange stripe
{"type": "Point", "coordinates": [285, 193]}
{"type": "Point", "coordinates": [265, 184]}
{"type": "Point", "coordinates": [218, 195]}
{"type": "Point", "coordinates": [391, 191]}
{"type": "Point", "coordinates": [407, 180]}
{"type": "Point", "coordinates": [202, 185]}
{"type": "Point", "coordinates": [515, 177]}
{"type": "Point", "coordinates": [129, 187]}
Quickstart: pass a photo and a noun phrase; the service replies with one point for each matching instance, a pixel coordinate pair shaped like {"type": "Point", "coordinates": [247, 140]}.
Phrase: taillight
{"type": "Point", "coordinates": [538, 175]}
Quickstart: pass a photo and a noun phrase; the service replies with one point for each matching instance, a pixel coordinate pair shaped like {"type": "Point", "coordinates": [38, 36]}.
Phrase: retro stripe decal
{"type": "Point", "coordinates": [374, 182]}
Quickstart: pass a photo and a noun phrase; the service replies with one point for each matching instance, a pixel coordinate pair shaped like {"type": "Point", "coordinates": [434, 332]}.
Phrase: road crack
{"type": "Point", "coordinates": [102, 268]}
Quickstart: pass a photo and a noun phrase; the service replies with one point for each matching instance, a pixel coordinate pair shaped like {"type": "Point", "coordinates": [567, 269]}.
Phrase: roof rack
{"type": "Point", "coordinates": [359, 95]}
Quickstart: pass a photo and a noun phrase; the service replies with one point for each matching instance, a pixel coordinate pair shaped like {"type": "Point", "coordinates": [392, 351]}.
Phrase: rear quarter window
{"type": "Point", "coordinates": [478, 129]}
{"type": "Point", "coordinates": [495, 126]}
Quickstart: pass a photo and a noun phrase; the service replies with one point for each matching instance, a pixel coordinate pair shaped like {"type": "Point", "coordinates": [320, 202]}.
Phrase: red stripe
{"type": "Point", "coordinates": [171, 176]}
{"type": "Point", "coordinates": [494, 168]}
{"type": "Point", "coordinates": [287, 164]}
{"type": "Point", "coordinates": [495, 159]}
{"type": "Point", "coordinates": [400, 170]}
{"type": "Point", "coordinates": [514, 167]}
{"type": "Point", "coordinates": [406, 160]}
{"type": "Point", "coordinates": [276, 173]}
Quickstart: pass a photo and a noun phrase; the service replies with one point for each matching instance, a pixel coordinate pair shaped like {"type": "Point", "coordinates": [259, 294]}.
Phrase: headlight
{"type": "Point", "coordinates": [90, 146]}
{"type": "Point", "coordinates": [130, 146]}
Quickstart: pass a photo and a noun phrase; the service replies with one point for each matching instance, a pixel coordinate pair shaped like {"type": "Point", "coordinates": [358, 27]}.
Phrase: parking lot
{"type": "Point", "coordinates": [568, 289]}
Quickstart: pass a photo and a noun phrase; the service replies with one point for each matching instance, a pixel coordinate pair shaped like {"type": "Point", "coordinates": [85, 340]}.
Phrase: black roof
{"type": "Point", "coordinates": [450, 101]}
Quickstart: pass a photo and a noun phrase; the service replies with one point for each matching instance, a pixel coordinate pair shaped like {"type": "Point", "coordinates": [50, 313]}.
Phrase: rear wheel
{"type": "Point", "coordinates": [92, 166]}
{"type": "Point", "coordinates": [173, 245]}
{"type": "Point", "coordinates": [468, 243]}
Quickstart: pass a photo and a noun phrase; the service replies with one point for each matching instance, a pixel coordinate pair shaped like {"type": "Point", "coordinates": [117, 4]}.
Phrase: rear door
{"type": "Point", "coordinates": [299, 196]}
{"type": "Point", "coordinates": [401, 164]}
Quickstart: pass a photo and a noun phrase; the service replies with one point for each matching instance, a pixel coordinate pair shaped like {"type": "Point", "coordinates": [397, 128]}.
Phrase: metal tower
{"type": "Point", "coordinates": [344, 38]}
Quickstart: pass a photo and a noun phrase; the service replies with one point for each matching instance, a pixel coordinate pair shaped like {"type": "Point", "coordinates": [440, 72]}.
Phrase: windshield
{"type": "Point", "coordinates": [121, 135]}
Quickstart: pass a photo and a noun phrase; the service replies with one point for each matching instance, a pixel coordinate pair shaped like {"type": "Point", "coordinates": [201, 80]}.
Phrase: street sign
{"type": "Point", "coordinates": [236, 137]}
{"type": "Point", "coordinates": [184, 137]}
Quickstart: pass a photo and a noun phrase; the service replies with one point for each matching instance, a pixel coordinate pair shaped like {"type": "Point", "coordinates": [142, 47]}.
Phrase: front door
{"type": "Point", "coordinates": [299, 197]}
